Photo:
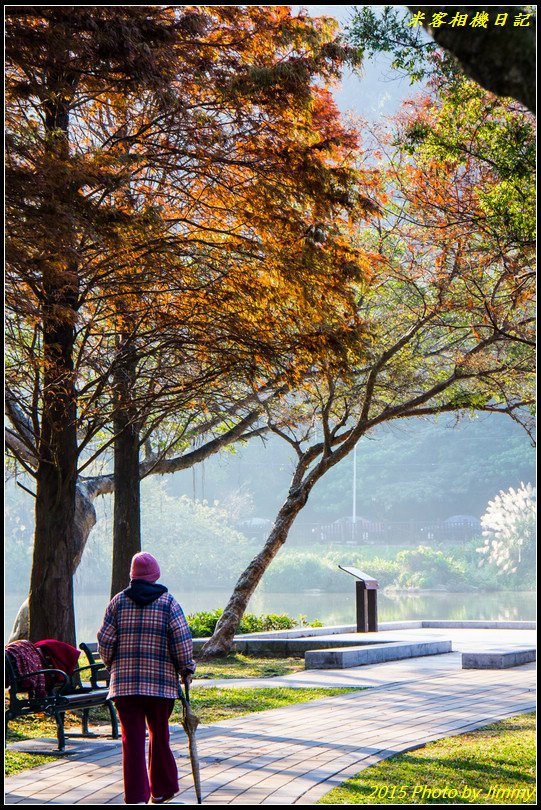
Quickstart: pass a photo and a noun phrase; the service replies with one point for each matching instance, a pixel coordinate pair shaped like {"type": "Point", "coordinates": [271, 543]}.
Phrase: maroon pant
{"type": "Point", "coordinates": [135, 712]}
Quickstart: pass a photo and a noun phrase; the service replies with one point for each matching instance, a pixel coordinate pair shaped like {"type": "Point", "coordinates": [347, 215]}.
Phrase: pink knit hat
{"type": "Point", "coordinates": [144, 566]}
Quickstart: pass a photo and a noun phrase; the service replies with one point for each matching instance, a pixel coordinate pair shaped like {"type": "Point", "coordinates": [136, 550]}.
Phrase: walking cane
{"type": "Point", "coordinates": [190, 721]}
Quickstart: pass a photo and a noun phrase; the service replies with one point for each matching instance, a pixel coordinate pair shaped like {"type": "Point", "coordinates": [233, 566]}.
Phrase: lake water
{"type": "Point", "coordinates": [329, 608]}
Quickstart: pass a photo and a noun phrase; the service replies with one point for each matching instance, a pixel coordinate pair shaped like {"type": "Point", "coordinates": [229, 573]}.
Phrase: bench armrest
{"type": "Point", "coordinates": [48, 671]}
{"type": "Point", "coordinates": [89, 666]}
{"type": "Point", "coordinates": [45, 672]}
{"type": "Point", "coordinates": [95, 670]}
{"type": "Point", "coordinates": [98, 668]}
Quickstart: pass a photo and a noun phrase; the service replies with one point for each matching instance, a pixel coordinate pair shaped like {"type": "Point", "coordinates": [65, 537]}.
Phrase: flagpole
{"type": "Point", "coordinates": [354, 494]}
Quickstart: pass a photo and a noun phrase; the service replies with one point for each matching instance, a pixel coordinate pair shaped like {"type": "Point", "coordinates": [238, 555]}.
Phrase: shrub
{"type": "Point", "coordinates": [425, 567]}
{"type": "Point", "coordinates": [272, 621]}
{"type": "Point", "coordinates": [299, 570]}
{"type": "Point", "coordinates": [202, 624]}
{"type": "Point", "coordinates": [385, 571]}
{"type": "Point", "coordinates": [306, 569]}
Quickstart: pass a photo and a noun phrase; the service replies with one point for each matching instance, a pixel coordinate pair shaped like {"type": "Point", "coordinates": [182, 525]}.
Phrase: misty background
{"type": "Point", "coordinates": [420, 484]}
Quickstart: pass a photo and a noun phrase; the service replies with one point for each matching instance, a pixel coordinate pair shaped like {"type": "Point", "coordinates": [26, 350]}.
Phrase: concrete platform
{"type": "Point", "coordinates": [300, 640]}
{"type": "Point", "coordinates": [463, 639]}
{"type": "Point", "coordinates": [498, 658]}
{"type": "Point", "coordinates": [342, 657]}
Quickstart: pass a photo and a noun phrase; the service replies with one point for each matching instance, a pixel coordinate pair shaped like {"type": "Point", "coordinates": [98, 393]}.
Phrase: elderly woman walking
{"type": "Point", "coordinates": [146, 645]}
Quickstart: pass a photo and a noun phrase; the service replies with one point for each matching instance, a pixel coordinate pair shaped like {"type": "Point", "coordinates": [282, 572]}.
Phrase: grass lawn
{"type": "Point", "coordinates": [15, 761]}
{"type": "Point", "coordinates": [493, 765]}
{"type": "Point", "coordinates": [238, 665]}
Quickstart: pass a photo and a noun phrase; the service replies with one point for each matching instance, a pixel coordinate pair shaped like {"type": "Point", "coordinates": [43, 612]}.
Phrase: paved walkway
{"type": "Point", "coordinates": [294, 755]}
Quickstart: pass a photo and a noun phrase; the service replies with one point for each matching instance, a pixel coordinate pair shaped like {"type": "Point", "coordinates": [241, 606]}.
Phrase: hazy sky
{"type": "Point", "coordinates": [377, 92]}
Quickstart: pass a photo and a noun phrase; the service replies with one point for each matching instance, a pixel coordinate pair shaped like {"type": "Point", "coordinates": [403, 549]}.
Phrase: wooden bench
{"type": "Point", "coordinates": [81, 691]}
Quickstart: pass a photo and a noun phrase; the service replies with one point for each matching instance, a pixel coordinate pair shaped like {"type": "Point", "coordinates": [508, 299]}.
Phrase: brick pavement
{"type": "Point", "coordinates": [295, 754]}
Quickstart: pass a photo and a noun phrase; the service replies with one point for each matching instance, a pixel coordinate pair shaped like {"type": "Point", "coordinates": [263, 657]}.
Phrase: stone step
{"type": "Point", "coordinates": [498, 658]}
{"type": "Point", "coordinates": [343, 657]}
{"type": "Point", "coordinates": [479, 624]}
{"type": "Point", "coordinates": [293, 646]}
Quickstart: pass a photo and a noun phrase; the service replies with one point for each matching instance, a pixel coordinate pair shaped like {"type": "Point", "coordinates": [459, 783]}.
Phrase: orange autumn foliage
{"type": "Point", "coordinates": [179, 186]}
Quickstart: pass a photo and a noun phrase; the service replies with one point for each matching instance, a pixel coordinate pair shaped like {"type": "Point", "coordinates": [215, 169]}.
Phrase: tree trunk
{"type": "Point", "coordinates": [51, 613]}
{"type": "Point", "coordinates": [127, 503]}
{"type": "Point", "coordinates": [51, 584]}
{"type": "Point", "coordinates": [221, 641]}
{"type": "Point", "coordinates": [85, 519]}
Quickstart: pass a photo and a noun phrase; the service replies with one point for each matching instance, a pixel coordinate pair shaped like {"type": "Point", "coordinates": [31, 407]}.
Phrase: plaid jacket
{"type": "Point", "coordinates": [145, 648]}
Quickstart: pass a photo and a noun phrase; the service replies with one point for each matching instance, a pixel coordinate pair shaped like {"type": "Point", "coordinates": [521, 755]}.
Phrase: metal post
{"type": "Point", "coordinates": [366, 595]}
{"type": "Point", "coordinates": [367, 608]}
{"type": "Point", "coordinates": [362, 606]}
{"type": "Point", "coordinates": [372, 611]}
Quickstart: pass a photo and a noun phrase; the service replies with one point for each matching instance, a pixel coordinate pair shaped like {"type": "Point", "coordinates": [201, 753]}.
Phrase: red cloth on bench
{"type": "Point", "coordinates": [27, 658]}
{"type": "Point", "coordinates": [62, 655]}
